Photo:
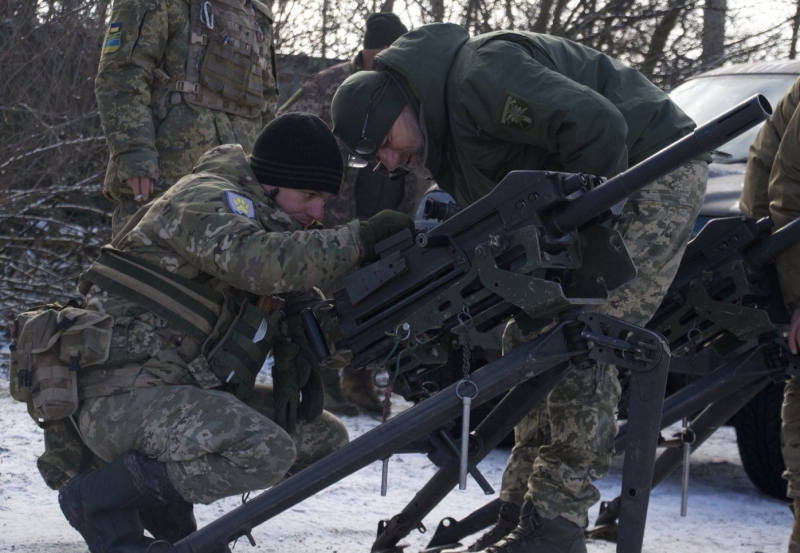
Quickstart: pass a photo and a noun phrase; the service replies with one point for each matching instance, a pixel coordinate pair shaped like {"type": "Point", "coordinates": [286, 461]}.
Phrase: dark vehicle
{"type": "Point", "coordinates": [702, 97]}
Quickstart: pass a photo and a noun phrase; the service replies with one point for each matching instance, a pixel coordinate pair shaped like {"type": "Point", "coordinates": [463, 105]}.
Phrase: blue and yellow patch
{"type": "Point", "coordinates": [113, 37]}
{"type": "Point", "coordinates": [240, 205]}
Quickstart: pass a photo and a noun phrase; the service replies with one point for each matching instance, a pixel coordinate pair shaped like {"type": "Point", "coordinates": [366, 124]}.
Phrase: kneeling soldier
{"type": "Point", "coordinates": [201, 285]}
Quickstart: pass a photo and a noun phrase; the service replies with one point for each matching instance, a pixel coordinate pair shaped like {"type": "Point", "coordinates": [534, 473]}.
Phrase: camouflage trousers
{"type": "Point", "coordinates": [567, 442]}
{"type": "Point", "coordinates": [790, 435]}
{"type": "Point", "coordinates": [213, 444]}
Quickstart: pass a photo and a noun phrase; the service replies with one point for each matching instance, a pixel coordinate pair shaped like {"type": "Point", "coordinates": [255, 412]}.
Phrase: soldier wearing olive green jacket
{"type": "Point", "coordinates": [177, 78]}
{"type": "Point", "coordinates": [772, 188]}
{"type": "Point", "coordinates": [467, 111]}
{"type": "Point", "coordinates": [201, 287]}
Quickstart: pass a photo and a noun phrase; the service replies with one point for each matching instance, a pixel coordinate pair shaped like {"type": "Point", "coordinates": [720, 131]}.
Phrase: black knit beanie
{"type": "Point", "coordinates": [298, 150]}
{"type": "Point", "coordinates": [382, 29]}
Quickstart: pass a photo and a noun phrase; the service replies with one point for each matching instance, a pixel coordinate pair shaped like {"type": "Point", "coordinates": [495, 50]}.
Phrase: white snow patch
{"type": "Point", "coordinates": [726, 513]}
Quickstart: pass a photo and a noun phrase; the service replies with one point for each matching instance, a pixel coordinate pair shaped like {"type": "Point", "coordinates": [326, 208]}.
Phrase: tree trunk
{"type": "Point", "coordinates": [660, 35]}
{"type": "Point", "coordinates": [387, 6]}
{"type": "Point", "coordinates": [543, 17]}
{"type": "Point", "coordinates": [795, 29]}
{"type": "Point", "coordinates": [713, 33]}
{"type": "Point", "coordinates": [437, 10]}
{"type": "Point", "coordinates": [324, 33]}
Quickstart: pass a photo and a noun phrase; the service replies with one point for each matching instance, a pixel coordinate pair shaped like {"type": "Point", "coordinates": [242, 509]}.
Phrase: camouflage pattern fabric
{"type": "Point", "coordinates": [557, 476]}
{"type": "Point", "coordinates": [150, 131]}
{"type": "Point", "coordinates": [218, 226]}
{"type": "Point", "coordinates": [363, 193]}
{"type": "Point", "coordinates": [63, 454]}
{"type": "Point", "coordinates": [213, 444]}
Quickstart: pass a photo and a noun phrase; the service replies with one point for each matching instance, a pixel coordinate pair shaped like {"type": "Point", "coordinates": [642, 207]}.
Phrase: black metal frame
{"type": "Point", "coordinates": [712, 400]}
{"type": "Point", "coordinates": [709, 402]}
{"type": "Point", "coordinates": [529, 372]}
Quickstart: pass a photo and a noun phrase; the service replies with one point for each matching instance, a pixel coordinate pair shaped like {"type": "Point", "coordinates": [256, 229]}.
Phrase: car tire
{"type": "Point", "coordinates": [758, 435]}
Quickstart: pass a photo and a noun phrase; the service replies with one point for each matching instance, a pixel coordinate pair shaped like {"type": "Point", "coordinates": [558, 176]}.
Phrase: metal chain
{"type": "Point", "coordinates": [464, 324]}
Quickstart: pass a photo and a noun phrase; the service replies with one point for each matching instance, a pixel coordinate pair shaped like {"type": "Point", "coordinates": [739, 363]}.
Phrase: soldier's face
{"type": "Point", "coordinates": [403, 147]}
{"type": "Point", "coordinates": [304, 206]}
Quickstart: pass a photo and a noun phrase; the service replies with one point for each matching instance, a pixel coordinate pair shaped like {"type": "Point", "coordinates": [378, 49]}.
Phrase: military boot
{"type": "Point", "coordinates": [794, 539]}
{"type": "Point", "coordinates": [540, 535]}
{"type": "Point", "coordinates": [334, 401]}
{"type": "Point", "coordinates": [103, 504]}
{"type": "Point", "coordinates": [169, 522]}
{"type": "Point", "coordinates": [507, 520]}
{"type": "Point", "coordinates": [359, 390]}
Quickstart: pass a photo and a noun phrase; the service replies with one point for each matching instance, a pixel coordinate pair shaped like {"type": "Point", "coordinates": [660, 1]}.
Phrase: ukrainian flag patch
{"type": "Point", "coordinates": [113, 38]}
{"type": "Point", "coordinates": [240, 205]}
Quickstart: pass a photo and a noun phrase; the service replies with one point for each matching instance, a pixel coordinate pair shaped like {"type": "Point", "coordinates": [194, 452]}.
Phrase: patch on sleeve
{"type": "Point", "coordinates": [517, 114]}
{"type": "Point", "coordinates": [113, 37]}
{"type": "Point", "coordinates": [240, 205]}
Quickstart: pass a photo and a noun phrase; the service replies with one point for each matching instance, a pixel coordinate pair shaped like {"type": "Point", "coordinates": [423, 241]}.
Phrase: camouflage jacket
{"type": "Point", "coordinates": [363, 193]}
{"type": "Point", "coordinates": [149, 131]}
{"type": "Point", "coordinates": [218, 227]}
{"type": "Point", "coordinates": [772, 183]}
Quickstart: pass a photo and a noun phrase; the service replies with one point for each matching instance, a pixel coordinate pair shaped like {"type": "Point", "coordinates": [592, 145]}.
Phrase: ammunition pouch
{"type": "Point", "coordinates": [235, 337]}
{"type": "Point", "coordinates": [239, 355]}
{"type": "Point", "coordinates": [51, 344]}
{"type": "Point", "coordinates": [225, 68]}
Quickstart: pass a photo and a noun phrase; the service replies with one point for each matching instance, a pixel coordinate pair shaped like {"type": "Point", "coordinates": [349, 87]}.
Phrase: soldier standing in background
{"type": "Point", "coordinates": [364, 192]}
{"type": "Point", "coordinates": [176, 78]}
{"type": "Point", "coordinates": [772, 188]}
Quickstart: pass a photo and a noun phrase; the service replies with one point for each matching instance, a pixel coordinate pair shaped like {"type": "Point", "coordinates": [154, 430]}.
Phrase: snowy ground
{"type": "Point", "coordinates": [726, 513]}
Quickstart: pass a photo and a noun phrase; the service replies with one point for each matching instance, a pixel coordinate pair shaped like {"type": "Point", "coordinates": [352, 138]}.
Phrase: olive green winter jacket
{"type": "Point", "coordinates": [512, 100]}
{"type": "Point", "coordinates": [772, 182]}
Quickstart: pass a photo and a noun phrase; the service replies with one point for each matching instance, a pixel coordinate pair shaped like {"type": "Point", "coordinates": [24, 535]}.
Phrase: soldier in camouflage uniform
{"type": "Point", "coordinates": [176, 78]}
{"type": "Point", "coordinates": [772, 188]}
{"type": "Point", "coordinates": [364, 192]}
{"type": "Point", "coordinates": [161, 108]}
{"type": "Point", "coordinates": [195, 287]}
{"type": "Point", "coordinates": [485, 106]}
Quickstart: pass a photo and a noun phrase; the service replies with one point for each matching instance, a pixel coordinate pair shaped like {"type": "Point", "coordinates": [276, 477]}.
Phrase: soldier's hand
{"type": "Point", "coordinates": [794, 332]}
{"type": "Point", "coordinates": [380, 227]}
{"type": "Point", "coordinates": [285, 384]}
{"type": "Point", "coordinates": [142, 187]}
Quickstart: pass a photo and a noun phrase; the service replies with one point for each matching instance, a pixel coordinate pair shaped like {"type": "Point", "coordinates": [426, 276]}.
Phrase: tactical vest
{"type": "Point", "coordinates": [235, 338]}
{"type": "Point", "coordinates": [224, 68]}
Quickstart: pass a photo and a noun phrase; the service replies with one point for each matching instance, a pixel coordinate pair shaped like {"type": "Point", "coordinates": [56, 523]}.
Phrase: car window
{"type": "Point", "coordinates": [706, 97]}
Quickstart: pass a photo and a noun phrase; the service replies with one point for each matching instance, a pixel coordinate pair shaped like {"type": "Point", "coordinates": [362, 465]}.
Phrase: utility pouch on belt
{"type": "Point", "coordinates": [51, 345]}
{"type": "Point", "coordinates": [239, 355]}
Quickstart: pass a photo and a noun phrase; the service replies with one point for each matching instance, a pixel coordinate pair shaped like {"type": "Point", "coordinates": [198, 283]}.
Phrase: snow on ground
{"type": "Point", "coordinates": [726, 513]}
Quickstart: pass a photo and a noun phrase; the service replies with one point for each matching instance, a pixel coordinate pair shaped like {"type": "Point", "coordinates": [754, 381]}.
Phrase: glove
{"type": "Point", "coordinates": [307, 366]}
{"type": "Point", "coordinates": [380, 227]}
{"type": "Point", "coordinates": [313, 393]}
{"type": "Point", "coordinates": [296, 375]}
{"type": "Point", "coordinates": [286, 384]}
